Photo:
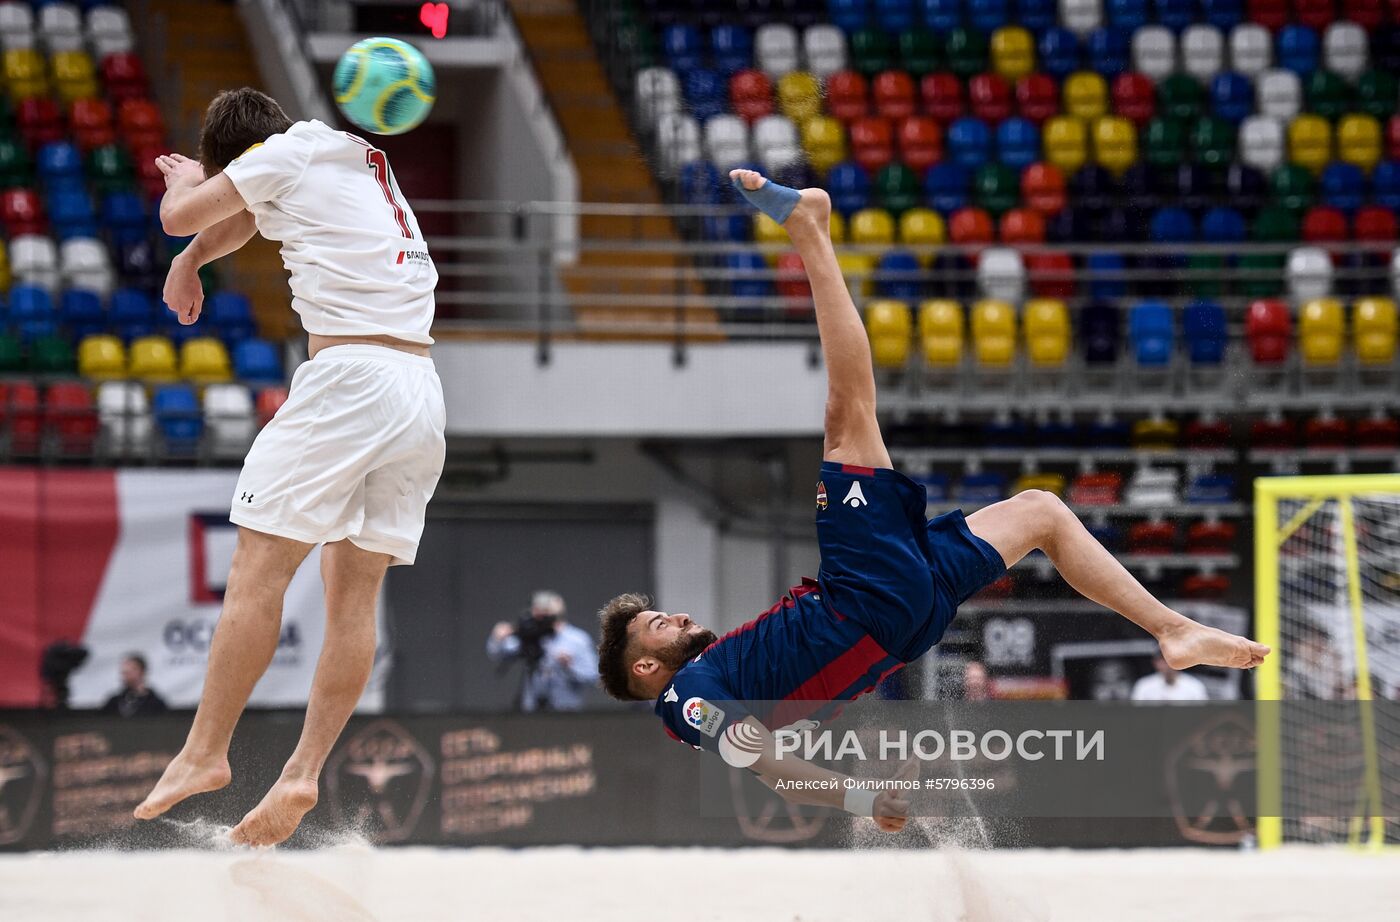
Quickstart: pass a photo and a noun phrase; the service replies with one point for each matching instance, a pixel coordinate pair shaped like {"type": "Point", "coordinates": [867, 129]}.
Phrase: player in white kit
{"type": "Point", "coordinates": [352, 458]}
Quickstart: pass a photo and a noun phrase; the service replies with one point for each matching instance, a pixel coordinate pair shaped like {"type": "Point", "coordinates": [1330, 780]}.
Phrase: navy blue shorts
{"type": "Point", "coordinates": [898, 576]}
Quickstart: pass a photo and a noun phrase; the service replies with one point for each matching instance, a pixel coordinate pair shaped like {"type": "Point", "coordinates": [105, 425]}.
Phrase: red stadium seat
{"type": "Point", "coordinates": [1097, 488]}
{"type": "Point", "coordinates": [943, 96]}
{"type": "Point", "coordinates": [40, 121]}
{"type": "Point", "coordinates": [872, 143]}
{"type": "Point", "coordinates": [1392, 138]}
{"type": "Point", "coordinates": [1374, 224]}
{"type": "Point", "coordinates": [1324, 224]}
{"type": "Point", "coordinates": [71, 419]}
{"type": "Point", "coordinates": [1377, 432]}
{"type": "Point", "coordinates": [140, 123]}
{"type": "Point", "coordinates": [751, 94]}
{"type": "Point", "coordinates": [1205, 586]}
{"type": "Point", "coordinates": [894, 94]}
{"type": "Point", "coordinates": [1022, 226]}
{"type": "Point", "coordinates": [1272, 14]}
{"type": "Point", "coordinates": [847, 96]}
{"type": "Point", "coordinates": [1326, 431]}
{"type": "Point", "coordinates": [1043, 188]}
{"type": "Point", "coordinates": [1135, 97]}
{"type": "Point", "coordinates": [22, 212]}
{"type": "Point", "coordinates": [920, 143]}
{"type": "Point", "coordinates": [20, 420]}
{"type": "Point", "coordinates": [1152, 538]}
{"type": "Point", "coordinates": [989, 97]}
{"type": "Point", "coordinates": [1206, 433]}
{"type": "Point", "coordinates": [124, 77]}
{"type": "Point", "coordinates": [1051, 274]}
{"type": "Point", "coordinates": [270, 400]}
{"type": "Point", "coordinates": [792, 279]}
{"type": "Point", "coordinates": [1315, 14]}
{"type": "Point", "coordinates": [970, 226]}
{"type": "Point", "coordinates": [1037, 97]}
{"type": "Point", "coordinates": [1211, 538]}
{"type": "Point", "coordinates": [91, 120]}
{"type": "Point", "coordinates": [1274, 434]}
{"type": "Point", "coordinates": [1269, 330]}
{"type": "Point", "coordinates": [149, 175]}
{"type": "Point", "coordinates": [1368, 14]}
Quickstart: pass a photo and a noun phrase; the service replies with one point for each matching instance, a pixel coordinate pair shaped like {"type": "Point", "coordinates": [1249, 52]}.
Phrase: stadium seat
{"type": "Point", "coordinates": [1180, 97]}
{"type": "Point", "coordinates": [993, 333]}
{"type": "Point", "coordinates": [872, 227]}
{"type": "Point", "coordinates": [1342, 186]}
{"type": "Point", "coordinates": [1115, 143]}
{"type": "Point", "coordinates": [1279, 94]}
{"type": "Point", "coordinates": [941, 333]}
{"type": "Point", "coordinates": [1065, 139]}
{"type": "Point", "coordinates": [946, 187]}
{"type": "Point", "coordinates": [1058, 52]}
{"type": "Point", "coordinates": [1154, 52]}
{"type": "Point", "coordinates": [229, 416]}
{"type": "Point", "coordinates": [824, 47]}
{"type": "Point", "coordinates": [124, 77]}
{"type": "Point", "coordinates": [922, 227]}
{"type": "Point", "coordinates": [969, 143]}
{"type": "Point", "coordinates": [21, 212]}
{"type": "Point", "coordinates": [1047, 332]}
{"type": "Point", "coordinates": [178, 418]}
{"type": "Point", "coordinates": [847, 95]}
{"type": "Point", "coordinates": [965, 50]}
{"type": "Point", "coordinates": [657, 92]}
{"type": "Point", "coordinates": [1043, 188]}
{"type": "Point", "coordinates": [920, 143]}
{"type": "Point", "coordinates": [131, 314]}
{"type": "Point", "coordinates": [1151, 332]}
{"type": "Point", "coordinates": [1373, 323]}
{"type": "Point", "coordinates": [891, 329]}
{"type": "Point", "coordinates": [775, 49]}
{"type": "Point", "coordinates": [1376, 93]}
{"type": "Point", "coordinates": [896, 188]}
{"type": "Point", "coordinates": [731, 47]}
{"type": "Point", "coordinates": [1051, 274]}
{"type": "Point", "coordinates": [81, 313]}
{"type": "Point", "coordinates": [1013, 52]}
{"type": "Point", "coordinates": [1095, 188]}
{"type": "Point", "coordinates": [970, 227]}
{"type": "Point", "coordinates": [1036, 98]}
{"type": "Point", "coordinates": [1205, 332]}
{"type": "Point", "coordinates": [1134, 97]}
{"type": "Point", "coordinates": [1213, 142]}
{"type": "Point", "coordinates": [824, 141]}
{"type": "Point", "coordinates": [799, 95]}
{"type": "Point", "coordinates": [1309, 273]}
{"type": "Point", "coordinates": [1021, 226]}
{"type": "Point", "coordinates": [1105, 272]}
{"type": "Point", "coordinates": [989, 97]}
{"type": "Point", "coordinates": [124, 417]}
{"type": "Point", "coordinates": [203, 360]}
{"type": "Point", "coordinates": [1298, 49]}
{"type": "Point", "coordinates": [1375, 224]}
{"type": "Point", "coordinates": [139, 122]}
{"type": "Point", "coordinates": [995, 187]}
{"type": "Point", "coordinates": [1310, 142]}
{"type": "Point", "coordinates": [51, 354]}
{"type": "Point", "coordinates": [871, 51]}
{"type": "Point", "coordinates": [1202, 52]}
{"type": "Point", "coordinates": [1321, 331]}
{"type": "Point", "coordinates": [1110, 50]}
{"type": "Point", "coordinates": [1155, 433]}
{"type": "Point", "coordinates": [1085, 95]}
{"type": "Point", "coordinates": [70, 419]}
{"type": "Point", "coordinates": [899, 276]}
{"type": "Point", "coordinates": [1001, 274]}
{"type": "Point", "coordinates": [942, 95]}
{"type": "Point", "coordinates": [1081, 16]}
{"type": "Point", "coordinates": [1231, 97]}
{"type": "Point", "coordinates": [1359, 140]}
{"type": "Point", "coordinates": [101, 358]}
{"type": "Point", "coordinates": [1100, 333]}
{"type": "Point", "coordinates": [1261, 142]}
{"type": "Point", "coordinates": [152, 358]}
{"type": "Point", "coordinates": [750, 95]}
{"type": "Point", "coordinates": [83, 263]}
{"type": "Point", "coordinates": [1327, 94]}
{"type": "Point", "coordinates": [677, 141]}
{"type": "Point", "coordinates": [893, 92]}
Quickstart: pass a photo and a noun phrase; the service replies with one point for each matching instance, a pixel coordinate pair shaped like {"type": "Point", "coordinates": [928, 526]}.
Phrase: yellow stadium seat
{"type": "Point", "coordinates": [4, 268]}
{"type": "Point", "coordinates": [73, 74]}
{"type": "Point", "coordinates": [1310, 142]}
{"type": "Point", "coordinates": [1321, 331]}
{"type": "Point", "coordinates": [25, 74]}
{"type": "Point", "coordinates": [941, 333]}
{"type": "Point", "coordinates": [101, 358]}
{"type": "Point", "coordinates": [1155, 433]}
{"type": "Point", "coordinates": [1359, 140]}
{"type": "Point", "coordinates": [993, 332]}
{"type": "Point", "coordinates": [1373, 324]}
{"type": "Point", "coordinates": [1086, 95]}
{"type": "Point", "coordinates": [1047, 331]}
{"type": "Point", "coordinates": [891, 331]}
{"type": "Point", "coordinates": [872, 226]}
{"type": "Point", "coordinates": [1051, 483]}
{"type": "Point", "coordinates": [153, 359]}
{"type": "Point", "coordinates": [856, 268]}
{"type": "Point", "coordinates": [1013, 52]}
{"type": "Point", "coordinates": [205, 361]}
{"type": "Point", "coordinates": [922, 227]}
{"type": "Point", "coordinates": [838, 227]}
{"type": "Point", "coordinates": [799, 96]}
{"type": "Point", "coordinates": [1115, 143]}
{"type": "Point", "coordinates": [1065, 143]}
{"type": "Point", "coordinates": [824, 140]}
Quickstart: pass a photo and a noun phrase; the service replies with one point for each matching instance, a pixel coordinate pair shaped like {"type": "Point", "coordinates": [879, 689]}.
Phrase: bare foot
{"type": "Point", "coordinates": [813, 210]}
{"type": "Point", "coordinates": [1191, 644]}
{"type": "Point", "coordinates": [183, 777]}
{"type": "Point", "coordinates": [279, 814]}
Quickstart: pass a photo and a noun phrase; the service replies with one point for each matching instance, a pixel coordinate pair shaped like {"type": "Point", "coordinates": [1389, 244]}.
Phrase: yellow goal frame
{"type": "Point", "coordinates": [1368, 827]}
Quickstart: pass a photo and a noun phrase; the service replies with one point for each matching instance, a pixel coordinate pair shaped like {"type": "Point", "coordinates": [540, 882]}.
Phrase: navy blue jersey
{"type": "Point", "coordinates": [889, 585]}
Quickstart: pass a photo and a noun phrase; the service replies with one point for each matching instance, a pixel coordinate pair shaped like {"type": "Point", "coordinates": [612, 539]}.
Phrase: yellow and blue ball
{"type": "Point", "coordinates": [384, 86]}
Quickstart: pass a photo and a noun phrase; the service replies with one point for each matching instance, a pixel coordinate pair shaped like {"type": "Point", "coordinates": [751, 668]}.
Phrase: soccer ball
{"type": "Point", "coordinates": [384, 86]}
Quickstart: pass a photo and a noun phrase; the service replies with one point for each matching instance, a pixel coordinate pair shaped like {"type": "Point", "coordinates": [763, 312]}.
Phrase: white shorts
{"type": "Point", "coordinates": [355, 452]}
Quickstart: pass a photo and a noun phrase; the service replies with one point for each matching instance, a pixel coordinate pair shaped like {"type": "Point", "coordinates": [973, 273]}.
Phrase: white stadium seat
{"type": "Point", "coordinates": [774, 131]}
{"type": "Point", "coordinates": [657, 93]}
{"type": "Point", "coordinates": [677, 141]}
{"type": "Point", "coordinates": [1154, 52]}
{"type": "Point", "coordinates": [125, 417]}
{"type": "Point", "coordinates": [1344, 49]}
{"type": "Point", "coordinates": [83, 263]}
{"type": "Point", "coordinates": [1202, 52]}
{"type": "Point", "coordinates": [34, 261]}
{"type": "Point", "coordinates": [824, 46]}
{"type": "Point", "coordinates": [775, 49]}
{"type": "Point", "coordinates": [1001, 274]}
{"type": "Point", "coordinates": [1395, 273]}
{"type": "Point", "coordinates": [1309, 273]}
{"type": "Point", "coordinates": [1261, 142]}
{"type": "Point", "coordinates": [16, 18]}
{"type": "Point", "coordinates": [1081, 16]}
{"type": "Point", "coordinates": [726, 141]}
{"type": "Point", "coordinates": [1251, 49]}
{"type": "Point", "coordinates": [228, 413]}
{"type": "Point", "coordinates": [1279, 94]}
{"type": "Point", "coordinates": [1152, 486]}
{"type": "Point", "coordinates": [60, 27]}
{"type": "Point", "coordinates": [778, 160]}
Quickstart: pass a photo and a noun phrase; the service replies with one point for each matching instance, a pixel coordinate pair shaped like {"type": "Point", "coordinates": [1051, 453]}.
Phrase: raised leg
{"type": "Point", "coordinates": [244, 643]}
{"type": "Point", "coordinates": [852, 431]}
{"type": "Point", "coordinates": [1037, 519]}
{"type": "Point", "coordinates": [352, 576]}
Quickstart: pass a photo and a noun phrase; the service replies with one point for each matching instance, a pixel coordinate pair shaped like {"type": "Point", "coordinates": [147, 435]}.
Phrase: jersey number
{"type": "Point", "coordinates": [375, 159]}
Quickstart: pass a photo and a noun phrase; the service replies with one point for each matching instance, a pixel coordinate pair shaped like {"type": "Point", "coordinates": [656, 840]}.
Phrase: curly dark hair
{"type": "Point", "coordinates": [616, 649]}
{"type": "Point", "coordinates": [234, 122]}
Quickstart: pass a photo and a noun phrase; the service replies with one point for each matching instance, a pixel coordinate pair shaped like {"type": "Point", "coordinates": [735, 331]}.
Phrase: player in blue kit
{"type": "Point", "coordinates": [889, 584]}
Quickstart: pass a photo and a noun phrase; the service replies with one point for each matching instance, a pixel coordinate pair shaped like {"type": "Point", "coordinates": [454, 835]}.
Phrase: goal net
{"type": "Point", "coordinates": [1327, 593]}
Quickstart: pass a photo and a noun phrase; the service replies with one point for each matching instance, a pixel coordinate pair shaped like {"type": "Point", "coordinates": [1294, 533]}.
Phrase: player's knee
{"type": "Point", "coordinates": [1042, 513]}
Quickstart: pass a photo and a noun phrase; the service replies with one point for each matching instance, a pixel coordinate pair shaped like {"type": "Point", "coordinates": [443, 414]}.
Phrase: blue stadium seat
{"type": "Point", "coordinates": [1169, 225]}
{"type": "Point", "coordinates": [1004, 432]}
{"type": "Point", "coordinates": [71, 215]}
{"type": "Point", "coordinates": [59, 160]}
{"type": "Point", "coordinates": [1343, 185]}
{"type": "Point", "coordinates": [1196, 186]}
{"type": "Point", "coordinates": [136, 264]}
{"type": "Point", "coordinates": [849, 187]}
{"type": "Point", "coordinates": [1385, 183]}
{"type": "Point", "coordinates": [1223, 225]}
{"type": "Point", "coordinates": [942, 15]}
{"type": "Point", "coordinates": [1058, 52]}
{"type": "Point", "coordinates": [176, 409]}
{"type": "Point", "coordinates": [727, 228]}
{"type": "Point", "coordinates": [1122, 223]}
{"type": "Point", "coordinates": [1100, 332]}
{"type": "Point", "coordinates": [704, 93]}
{"type": "Point", "coordinates": [1055, 432]}
{"type": "Point", "coordinates": [988, 15]}
{"type": "Point", "coordinates": [1223, 14]}
{"type": "Point", "coordinates": [1018, 143]}
{"type": "Point", "coordinates": [1232, 96]}
{"type": "Point", "coordinates": [1093, 187]}
{"type": "Point", "coordinates": [1110, 49]}
{"type": "Point", "coordinates": [1205, 331]}
{"type": "Point", "coordinates": [1037, 15]}
{"type": "Point", "coordinates": [256, 360]}
{"type": "Point", "coordinates": [732, 47]}
{"type": "Point", "coordinates": [31, 312]}
{"type": "Point", "coordinates": [682, 46]}
{"type": "Point", "coordinates": [969, 143]}
{"type": "Point", "coordinates": [231, 315]}
{"type": "Point", "coordinates": [1127, 14]}
{"type": "Point", "coordinates": [910, 289]}
{"type": "Point", "coordinates": [1071, 224]}
{"type": "Point", "coordinates": [1107, 431]}
{"type": "Point", "coordinates": [953, 276]}
{"type": "Point", "coordinates": [1176, 14]}
{"type": "Point", "coordinates": [124, 215]}
{"type": "Point", "coordinates": [700, 183]}
{"type": "Point", "coordinates": [980, 489]}
{"type": "Point", "coordinates": [1099, 264]}
{"type": "Point", "coordinates": [1141, 184]}
{"type": "Point", "coordinates": [849, 15]}
{"type": "Point", "coordinates": [1298, 50]}
{"type": "Point", "coordinates": [1246, 186]}
{"type": "Point", "coordinates": [1151, 333]}
{"type": "Point", "coordinates": [946, 187]}
{"type": "Point", "coordinates": [894, 15]}
{"type": "Point", "coordinates": [131, 314]}
{"type": "Point", "coordinates": [1211, 488]}
{"type": "Point", "coordinates": [81, 313]}
{"type": "Point", "coordinates": [750, 278]}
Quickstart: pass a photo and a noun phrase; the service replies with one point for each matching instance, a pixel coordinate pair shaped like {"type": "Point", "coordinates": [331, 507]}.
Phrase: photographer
{"type": "Point", "coordinates": [559, 659]}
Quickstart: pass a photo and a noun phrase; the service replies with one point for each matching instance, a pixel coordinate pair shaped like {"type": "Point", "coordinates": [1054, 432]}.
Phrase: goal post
{"type": "Point", "coordinates": [1327, 600]}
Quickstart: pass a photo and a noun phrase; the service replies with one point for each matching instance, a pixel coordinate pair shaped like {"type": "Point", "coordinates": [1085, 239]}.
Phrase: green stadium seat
{"type": "Point", "coordinates": [1205, 272]}
{"type": "Point", "coordinates": [996, 187]}
{"type": "Point", "coordinates": [871, 51]}
{"type": "Point", "coordinates": [1164, 143]}
{"type": "Point", "coordinates": [1213, 141]}
{"type": "Point", "coordinates": [1327, 94]}
{"type": "Point", "coordinates": [1180, 97]}
{"type": "Point", "coordinates": [919, 52]}
{"type": "Point", "coordinates": [897, 188]}
{"type": "Point", "coordinates": [966, 52]}
{"type": "Point", "coordinates": [52, 355]}
{"type": "Point", "coordinates": [1375, 93]}
{"type": "Point", "coordinates": [1292, 187]}
{"type": "Point", "coordinates": [15, 168]}
{"type": "Point", "coordinates": [11, 355]}
{"type": "Point", "coordinates": [1262, 273]}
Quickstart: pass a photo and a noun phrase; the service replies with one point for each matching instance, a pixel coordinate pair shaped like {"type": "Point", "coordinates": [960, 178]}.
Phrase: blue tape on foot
{"type": "Point", "coordinates": [772, 199]}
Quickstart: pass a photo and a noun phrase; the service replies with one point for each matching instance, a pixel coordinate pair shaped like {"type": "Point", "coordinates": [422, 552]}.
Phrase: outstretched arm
{"type": "Point", "coordinates": [184, 293]}
{"type": "Point", "coordinates": [192, 203]}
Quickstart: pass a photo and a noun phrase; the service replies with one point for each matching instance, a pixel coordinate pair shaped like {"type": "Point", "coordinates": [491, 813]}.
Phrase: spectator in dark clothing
{"type": "Point", "coordinates": [135, 699]}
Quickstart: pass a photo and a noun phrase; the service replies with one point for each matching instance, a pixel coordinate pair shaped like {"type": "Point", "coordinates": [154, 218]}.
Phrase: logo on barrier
{"type": "Point", "coordinates": [22, 774]}
{"type": "Point", "coordinates": [1210, 783]}
{"type": "Point", "coordinates": [380, 777]}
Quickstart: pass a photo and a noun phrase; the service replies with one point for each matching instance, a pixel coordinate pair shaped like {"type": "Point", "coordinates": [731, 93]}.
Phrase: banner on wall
{"type": "Point", "coordinates": [136, 561]}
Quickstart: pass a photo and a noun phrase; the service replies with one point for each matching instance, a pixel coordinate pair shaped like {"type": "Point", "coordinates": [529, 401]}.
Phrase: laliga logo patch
{"type": "Point", "coordinates": [703, 716]}
{"type": "Point", "coordinates": [821, 495]}
{"type": "Point", "coordinates": [740, 745]}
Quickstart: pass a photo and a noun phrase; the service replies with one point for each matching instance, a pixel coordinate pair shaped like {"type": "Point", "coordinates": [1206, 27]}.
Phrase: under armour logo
{"type": "Point", "coordinates": [854, 497]}
{"type": "Point", "coordinates": [246, 497]}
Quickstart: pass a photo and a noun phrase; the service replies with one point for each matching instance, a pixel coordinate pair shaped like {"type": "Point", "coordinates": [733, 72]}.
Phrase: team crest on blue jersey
{"type": "Point", "coordinates": [702, 715]}
{"type": "Point", "coordinates": [821, 495]}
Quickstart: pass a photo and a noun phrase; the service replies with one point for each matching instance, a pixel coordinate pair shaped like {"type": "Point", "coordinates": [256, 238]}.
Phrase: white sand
{"type": "Point", "coordinates": [355, 883]}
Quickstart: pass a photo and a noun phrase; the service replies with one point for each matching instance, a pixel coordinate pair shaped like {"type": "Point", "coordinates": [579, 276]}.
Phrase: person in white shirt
{"type": "Point", "coordinates": [352, 458]}
{"type": "Point", "coordinates": [1167, 684]}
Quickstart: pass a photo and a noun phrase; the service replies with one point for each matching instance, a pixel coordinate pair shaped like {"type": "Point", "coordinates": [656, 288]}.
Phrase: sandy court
{"type": "Point", "coordinates": [354, 883]}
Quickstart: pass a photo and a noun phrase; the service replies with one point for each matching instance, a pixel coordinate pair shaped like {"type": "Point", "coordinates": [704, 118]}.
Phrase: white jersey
{"type": "Point", "coordinates": [358, 260]}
